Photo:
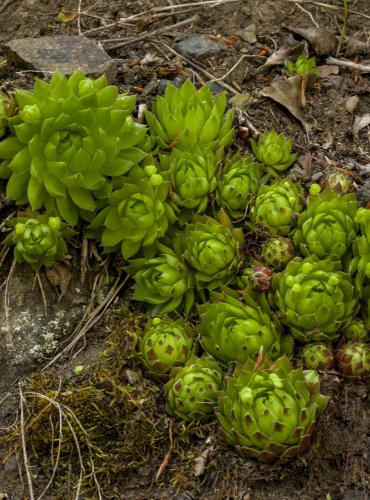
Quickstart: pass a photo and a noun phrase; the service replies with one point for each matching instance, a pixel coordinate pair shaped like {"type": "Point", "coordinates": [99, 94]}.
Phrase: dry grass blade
{"type": "Point", "coordinates": [199, 68]}
{"type": "Point", "coordinates": [168, 454]}
{"type": "Point", "coordinates": [24, 445]}
{"type": "Point", "coordinates": [89, 319]}
{"type": "Point", "coordinates": [164, 29]}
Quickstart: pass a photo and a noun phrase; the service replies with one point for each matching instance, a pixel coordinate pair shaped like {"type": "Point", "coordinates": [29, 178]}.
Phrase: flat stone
{"type": "Point", "coordinates": [61, 52]}
{"type": "Point", "coordinates": [198, 47]}
{"type": "Point", "coordinates": [248, 34]}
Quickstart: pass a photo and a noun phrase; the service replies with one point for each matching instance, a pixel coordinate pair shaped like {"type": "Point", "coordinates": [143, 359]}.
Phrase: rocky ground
{"type": "Point", "coordinates": [89, 319]}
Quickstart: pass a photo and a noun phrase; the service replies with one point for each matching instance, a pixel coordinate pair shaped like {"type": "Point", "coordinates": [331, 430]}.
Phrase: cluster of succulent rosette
{"type": "Point", "coordinates": [240, 266]}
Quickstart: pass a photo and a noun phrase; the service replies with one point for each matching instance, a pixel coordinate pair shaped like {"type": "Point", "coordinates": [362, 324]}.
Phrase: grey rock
{"type": "Point", "coordinates": [334, 82]}
{"type": "Point", "coordinates": [11, 464]}
{"type": "Point", "coordinates": [61, 52]}
{"type": "Point", "coordinates": [162, 85]}
{"type": "Point", "coordinates": [215, 87]}
{"type": "Point", "coordinates": [198, 47]}
{"type": "Point", "coordinates": [248, 34]}
{"type": "Point", "coordinates": [363, 194]}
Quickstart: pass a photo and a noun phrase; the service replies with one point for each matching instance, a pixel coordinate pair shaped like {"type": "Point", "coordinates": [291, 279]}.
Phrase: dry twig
{"type": "Point", "coordinates": [163, 29]}
{"type": "Point", "coordinates": [89, 320]}
{"type": "Point", "coordinates": [198, 68]}
{"type": "Point", "coordinates": [348, 64]}
{"type": "Point", "coordinates": [308, 13]}
{"type": "Point", "coordinates": [24, 445]}
{"type": "Point", "coordinates": [168, 454]}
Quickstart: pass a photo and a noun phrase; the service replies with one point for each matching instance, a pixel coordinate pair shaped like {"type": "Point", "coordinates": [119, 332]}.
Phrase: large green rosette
{"type": "Point", "coordinates": [69, 139]}
{"type": "Point", "coordinates": [315, 298]}
{"type": "Point", "coordinates": [267, 411]}
{"type": "Point", "coordinates": [327, 227]}
{"type": "Point", "coordinates": [212, 250]}
{"type": "Point", "coordinates": [137, 215]}
{"type": "Point", "coordinates": [231, 330]}
{"type": "Point", "coordinates": [192, 391]}
{"type": "Point", "coordinates": [185, 117]}
{"type": "Point", "coordinates": [163, 281]}
{"type": "Point", "coordinates": [277, 206]}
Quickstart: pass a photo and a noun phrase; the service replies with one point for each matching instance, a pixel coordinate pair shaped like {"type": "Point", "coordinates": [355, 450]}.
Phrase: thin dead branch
{"type": "Point", "coordinates": [308, 13]}
{"type": "Point", "coordinates": [90, 319]}
{"type": "Point", "coordinates": [230, 70]}
{"type": "Point", "coordinates": [168, 454]}
{"type": "Point", "coordinates": [198, 68]}
{"type": "Point", "coordinates": [172, 8]}
{"type": "Point", "coordinates": [330, 7]}
{"type": "Point", "coordinates": [159, 31]}
{"type": "Point", "coordinates": [348, 64]}
{"type": "Point", "coordinates": [24, 445]}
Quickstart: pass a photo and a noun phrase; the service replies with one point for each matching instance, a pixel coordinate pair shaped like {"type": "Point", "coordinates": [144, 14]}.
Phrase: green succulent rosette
{"type": "Point", "coordinates": [353, 359]}
{"type": "Point", "coordinates": [192, 177]}
{"type": "Point", "coordinates": [231, 330]}
{"type": "Point", "coordinates": [274, 151]}
{"type": "Point", "coordinates": [358, 329]}
{"type": "Point", "coordinates": [7, 110]}
{"type": "Point", "coordinates": [360, 264]}
{"type": "Point", "coordinates": [38, 239]}
{"type": "Point", "coordinates": [184, 118]}
{"type": "Point", "coordinates": [301, 66]}
{"type": "Point", "coordinates": [237, 182]}
{"type": "Point", "coordinates": [315, 298]}
{"type": "Point", "coordinates": [276, 207]}
{"type": "Point", "coordinates": [337, 181]}
{"type": "Point", "coordinates": [318, 356]}
{"type": "Point", "coordinates": [166, 344]}
{"type": "Point", "coordinates": [267, 412]}
{"type": "Point", "coordinates": [277, 252]}
{"type": "Point", "coordinates": [192, 391]}
{"type": "Point", "coordinates": [212, 250]}
{"type": "Point", "coordinates": [137, 214]}
{"type": "Point", "coordinates": [69, 139]}
{"type": "Point", "coordinates": [327, 226]}
{"type": "Point", "coordinates": [163, 281]}
{"type": "Point", "coordinates": [256, 278]}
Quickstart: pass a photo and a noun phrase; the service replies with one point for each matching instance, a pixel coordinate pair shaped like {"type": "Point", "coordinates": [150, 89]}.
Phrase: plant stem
{"type": "Point", "coordinates": [344, 26]}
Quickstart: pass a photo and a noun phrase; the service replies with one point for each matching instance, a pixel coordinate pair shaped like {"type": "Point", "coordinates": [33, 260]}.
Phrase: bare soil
{"type": "Point", "coordinates": [111, 394]}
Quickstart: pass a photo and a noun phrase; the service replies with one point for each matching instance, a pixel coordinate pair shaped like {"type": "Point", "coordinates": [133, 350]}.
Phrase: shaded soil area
{"type": "Point", "coordinates": [121, 443]}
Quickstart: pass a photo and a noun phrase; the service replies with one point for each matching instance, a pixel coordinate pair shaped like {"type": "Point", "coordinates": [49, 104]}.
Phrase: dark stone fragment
{"type": "Point", "coordinates": [198, 47]}
{"type": "Point", "coordinates": [62, 52]}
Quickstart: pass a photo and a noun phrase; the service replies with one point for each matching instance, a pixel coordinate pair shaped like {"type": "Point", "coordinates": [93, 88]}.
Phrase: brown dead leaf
{"type": "Point", "coordinates": [65, 16]}
{"type": "Point", "coordinates": [289, 92]}
{"type": "Point", "coordinates": [138, 89]}
{"type": "Point", "coordinates": [59, 275]}
{"type": "Point", "coordinates": [322, 40]}
{"type": "Point", "coordinates": [201, 461]}
{"type": "Point", "coordinates": [360, 122]}
{"type": "Point", "coordinates": [351, 102]}
{"type": "Point", "coordinates": [171, 71]}
{"type": "Point", "coordinates": [291, 49]}
{"type": "Point", "coordinates": [327, 70]}
{"type": "Point", "coordinates": [355, 47]}
{"type": "Point", "coordinates": [228, 41]}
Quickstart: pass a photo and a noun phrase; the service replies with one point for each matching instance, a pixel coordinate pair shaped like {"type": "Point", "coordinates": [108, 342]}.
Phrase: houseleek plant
{"type": "Point", "coordinates": [185, 117]}
{"type": "Point", "coordinates": [38, 239]}
{"type": "Point", "coordinates": [267, 412]}
{"type": "Point", "coordinates": [192, 390]}
{"type": "Point", "coordinates": [68, 140]}
{"type": "Point", "coordinates": [166, 344]}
